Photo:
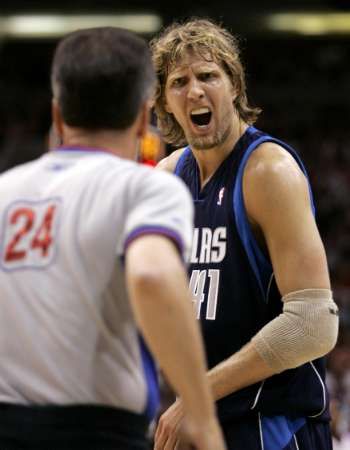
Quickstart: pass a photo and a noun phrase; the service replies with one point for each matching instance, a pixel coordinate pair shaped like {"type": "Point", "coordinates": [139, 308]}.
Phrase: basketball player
{"type": "Point", "coordinates": [91, 248]}
{"type": "Point", "coordinates": [258, 271]}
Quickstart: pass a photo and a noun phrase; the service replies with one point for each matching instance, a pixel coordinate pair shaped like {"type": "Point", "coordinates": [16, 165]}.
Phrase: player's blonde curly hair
{"type": "Point", "coordinates": [213, 43]}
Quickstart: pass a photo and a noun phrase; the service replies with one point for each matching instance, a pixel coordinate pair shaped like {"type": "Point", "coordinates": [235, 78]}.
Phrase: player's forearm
{"type": "Point", "coordinates": [240, 370]}
{"type": "Point", "coordinates": [306, 330]}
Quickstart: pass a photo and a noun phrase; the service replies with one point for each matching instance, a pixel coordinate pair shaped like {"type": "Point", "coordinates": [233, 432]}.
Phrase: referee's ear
{"type": "Point", "coordinates": [144, 119]}
{"type": "Point", "coordinates": [57, 119]}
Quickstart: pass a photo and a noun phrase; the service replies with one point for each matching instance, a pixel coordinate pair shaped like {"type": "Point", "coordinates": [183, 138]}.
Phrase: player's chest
{"type": "Point", "coordinates": [213, 206]}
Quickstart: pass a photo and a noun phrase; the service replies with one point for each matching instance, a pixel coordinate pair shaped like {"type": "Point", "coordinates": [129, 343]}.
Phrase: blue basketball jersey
{"type": "Point", "coordinates": [234, 290]}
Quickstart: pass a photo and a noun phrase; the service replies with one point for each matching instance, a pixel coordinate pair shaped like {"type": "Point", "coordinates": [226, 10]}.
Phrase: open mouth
{"type": "Point", "coordinates": [201, 117]}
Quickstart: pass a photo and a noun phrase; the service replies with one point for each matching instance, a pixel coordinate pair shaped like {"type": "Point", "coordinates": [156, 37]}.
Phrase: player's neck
{"type": "Point", "coordinates": [120, 143]}
{"type": "Point", "coordinates": [209, 160]}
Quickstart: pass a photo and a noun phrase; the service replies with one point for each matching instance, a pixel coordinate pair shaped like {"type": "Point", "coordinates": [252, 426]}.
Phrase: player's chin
{"type": "Point", "coordinates": [203, 142]}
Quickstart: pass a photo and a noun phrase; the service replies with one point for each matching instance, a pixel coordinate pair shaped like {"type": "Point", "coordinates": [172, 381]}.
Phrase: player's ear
{"type": "Point", "coordinates": [57, 119]}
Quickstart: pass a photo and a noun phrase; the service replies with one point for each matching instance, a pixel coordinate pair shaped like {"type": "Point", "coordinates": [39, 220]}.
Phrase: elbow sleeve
{"type": "Point", "coordinates": [306, 329]}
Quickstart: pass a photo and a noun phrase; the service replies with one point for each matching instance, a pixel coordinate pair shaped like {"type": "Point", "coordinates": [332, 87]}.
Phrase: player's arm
{"type": "Point", "coordinates": [158, 289]}
{"type": "Point", "coordinates": [169, 163]}
{"type": "Point", "coordinates": [278, 203]}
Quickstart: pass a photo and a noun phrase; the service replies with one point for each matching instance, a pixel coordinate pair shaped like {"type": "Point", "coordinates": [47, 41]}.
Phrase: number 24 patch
{"type": "Point", "coordinates": [29, 234]}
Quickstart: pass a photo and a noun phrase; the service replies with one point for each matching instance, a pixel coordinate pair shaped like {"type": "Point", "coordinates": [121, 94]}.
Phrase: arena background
{"type": "Point", "coordinates": [297, 57]}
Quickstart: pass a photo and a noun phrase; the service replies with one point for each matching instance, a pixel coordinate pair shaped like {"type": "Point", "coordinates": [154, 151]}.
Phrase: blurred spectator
{"type": "Point", "coordinates": [152, 147]}
{"type": "Point", "coordinates": [339, 427]}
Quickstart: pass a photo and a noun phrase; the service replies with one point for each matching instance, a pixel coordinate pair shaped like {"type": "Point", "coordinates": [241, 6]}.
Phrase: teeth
{"type": "Point", "coordinates": [200, 111]}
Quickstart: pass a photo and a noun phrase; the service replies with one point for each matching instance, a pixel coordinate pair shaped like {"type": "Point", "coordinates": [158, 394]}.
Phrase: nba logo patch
{"type": "Point", "coordinates": [220, 196]}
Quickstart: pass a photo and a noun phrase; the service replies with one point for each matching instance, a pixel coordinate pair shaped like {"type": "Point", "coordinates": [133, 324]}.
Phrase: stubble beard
{"type": "Point", "coordinates": [209, 142]}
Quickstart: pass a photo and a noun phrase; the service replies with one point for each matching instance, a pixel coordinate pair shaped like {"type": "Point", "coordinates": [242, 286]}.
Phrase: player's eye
{"type": "Point", "coordinates": [178, 82]}
{"type": "Point", "coordinates": [206, 76]}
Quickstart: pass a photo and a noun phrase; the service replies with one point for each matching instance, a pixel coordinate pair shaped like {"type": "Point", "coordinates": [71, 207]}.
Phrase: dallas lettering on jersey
{"type": "Point", "coordinates": [208, 246]}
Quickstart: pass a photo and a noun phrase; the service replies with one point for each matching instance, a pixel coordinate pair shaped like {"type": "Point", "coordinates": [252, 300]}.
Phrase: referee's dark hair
{"type": "Point", "coordinates": [100, 77]}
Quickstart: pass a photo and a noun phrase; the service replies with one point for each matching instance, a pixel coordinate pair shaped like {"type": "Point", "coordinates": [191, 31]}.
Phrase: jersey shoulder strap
{"type": "Point", "coordinates": [181, 161]}
{"type": "Point", "coordinates": [259, 262]}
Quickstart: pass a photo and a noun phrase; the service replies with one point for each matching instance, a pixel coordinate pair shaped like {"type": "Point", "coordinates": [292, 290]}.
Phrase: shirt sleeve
{"type": "Point", "coordinates": [161, 204]}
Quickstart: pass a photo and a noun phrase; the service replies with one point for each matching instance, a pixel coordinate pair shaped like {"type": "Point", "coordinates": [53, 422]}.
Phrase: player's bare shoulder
{"type": "Point", "coordinates": [169, 163]}
{"type": "Point", "coordinates": [269, 165]}
{"type": "Point", "coordinates": [270, 157]}
{"type": "Point", "coordinates": [272, 177]}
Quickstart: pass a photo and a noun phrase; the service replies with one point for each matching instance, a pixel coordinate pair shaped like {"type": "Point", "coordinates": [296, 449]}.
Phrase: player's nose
{"type": "Point", "coordinates": [195, 89]}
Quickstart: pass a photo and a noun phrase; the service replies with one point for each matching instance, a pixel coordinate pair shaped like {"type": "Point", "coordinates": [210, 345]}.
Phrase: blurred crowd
{"type": "Point", "coordinates": [307, 107]}
{"type": "Point", "coordinates": [328, 158]}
